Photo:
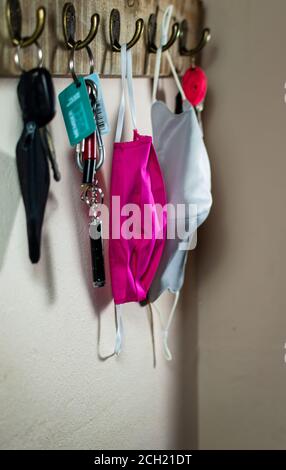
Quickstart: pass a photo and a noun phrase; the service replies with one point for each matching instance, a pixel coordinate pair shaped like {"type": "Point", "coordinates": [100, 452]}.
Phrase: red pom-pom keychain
{"type": "Point", "coordinates": [195, 85]}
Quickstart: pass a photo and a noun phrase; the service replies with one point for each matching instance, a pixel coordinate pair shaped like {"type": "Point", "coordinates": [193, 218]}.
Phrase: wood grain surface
{"type": "Point", "coordinates": [106, 61]}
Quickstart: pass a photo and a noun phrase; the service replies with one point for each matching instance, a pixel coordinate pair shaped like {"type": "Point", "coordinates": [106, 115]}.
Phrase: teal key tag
{"type": "Point", "coordinates": [77, 112]}
{"type": "Point", "coordinates": [101, 114]}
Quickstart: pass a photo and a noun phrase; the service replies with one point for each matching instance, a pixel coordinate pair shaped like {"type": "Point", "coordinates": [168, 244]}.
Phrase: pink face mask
{"type": "Point", "coordinates": [136, 179]}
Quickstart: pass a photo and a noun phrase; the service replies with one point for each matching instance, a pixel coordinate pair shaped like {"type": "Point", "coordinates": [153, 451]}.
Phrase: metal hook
{"type": "Point", "coordinates": [14, 21]}
{"type": "Point", "coordinates": [205, 38]}
{"type": "Point", "coordinates": [114, 31]}
{"type": "Point", "coordinates": [69, 28]}
{"type": "Point", "coordinates": [151, 33]}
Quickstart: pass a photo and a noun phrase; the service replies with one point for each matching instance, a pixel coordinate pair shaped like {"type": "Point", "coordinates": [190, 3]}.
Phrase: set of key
{"type": "Point", "coordinates": [86, 120]}
{"type": "Point", "coordinates": [90, 152]}
{"type": "Point", "coordinates": [35, 149]}
{"type": "Point", "coordinates": [92, 158]}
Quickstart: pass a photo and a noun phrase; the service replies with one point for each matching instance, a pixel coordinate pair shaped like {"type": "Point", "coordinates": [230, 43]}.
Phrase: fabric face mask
{"type": "Point", "coordinates": [185, 165]}
{"type": "Point", "coordinates": [136, 179]}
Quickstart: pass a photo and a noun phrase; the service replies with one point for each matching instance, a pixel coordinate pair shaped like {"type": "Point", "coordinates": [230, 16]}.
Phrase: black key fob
{"type": "Point", "coordinates": [34, 178]}
{"type": "Point", "coordinates": [37, 96]}
{"type": "Point", "coordinates": [97, 258]}
{"type": "Point", "coordinates": [179, 104]}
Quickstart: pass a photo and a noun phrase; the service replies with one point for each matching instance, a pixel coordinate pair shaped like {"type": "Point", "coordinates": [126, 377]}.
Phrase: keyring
{"type": "Point", "coordinates": [72, 62]}
{"type": "Point", "coordinates": [92, 195]}
{"type": "Point", "coordinates": [17, 56]}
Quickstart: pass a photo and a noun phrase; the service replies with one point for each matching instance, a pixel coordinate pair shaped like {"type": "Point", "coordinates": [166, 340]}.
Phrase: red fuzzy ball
{"type": "Point", "coordinates": [195, 85]}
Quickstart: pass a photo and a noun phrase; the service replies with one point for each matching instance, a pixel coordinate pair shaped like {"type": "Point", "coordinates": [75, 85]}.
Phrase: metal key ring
{"type": "Point", "coordinates": [101, 153]}
{"type": "Point", "coordinates": [101, 149]}
{"type": "Point", "coordinates": [92, 195]}
{"type": "Point", "coordinates": [72, 62]}
{"type": "Point", "coordinates": [17, 56]}
{"type": "Point", "coordinates": [99, 141]}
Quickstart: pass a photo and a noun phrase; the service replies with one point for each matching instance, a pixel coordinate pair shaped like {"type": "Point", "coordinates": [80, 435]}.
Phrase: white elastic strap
{"type": "Point", "coordinates": [121, 113]}
{"type": "Point", "coordinates": [163, 41]}
{"type": "Point", "coordinates": [199, 114]}
{"type": "Point", "coordinates": [126, 72]}
{"type": "Point", "coordinates": [152, 334]}
{"type": "Point", "coordinates": [156, 73]}
{"type": "Point", "coordinates": [130, 89]}
{"type": "Point", "coordinates": [175, 75]}
{"type": "Point", "coordinates": [119, 330]}
{"type": "Point", "coordinates": [166, 328]}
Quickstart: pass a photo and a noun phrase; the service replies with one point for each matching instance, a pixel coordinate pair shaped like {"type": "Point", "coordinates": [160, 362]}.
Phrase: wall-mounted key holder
{"type": "Point", "coordinates": [44, 18]}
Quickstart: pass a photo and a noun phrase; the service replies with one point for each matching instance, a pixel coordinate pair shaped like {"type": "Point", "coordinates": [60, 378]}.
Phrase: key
{"type": "Point", "coordinates": [79, 149]}
{"type": "Point", "coordinates": [90, 164]}
{"type": "Point", "coordinates": [97, 259]}
{"type": "Point", "coordinates": [77, 112]}
{"type": "Point", "coordinates": [50, 152]}
{"type": "Point", "coordinates": [34, 179]}
{"type": "Point", "coordinates": [89, 159]}
{"type": "Point", "coordinates": [93, 196]}
{"type": "Point", "coordinates": [34, 148]}
{"type": "Point", "coordinates": [89, 153]}
{"type": "Point", "coordinates": [36, 96]}
{"type": "Point", "coordinates": [101, 114]}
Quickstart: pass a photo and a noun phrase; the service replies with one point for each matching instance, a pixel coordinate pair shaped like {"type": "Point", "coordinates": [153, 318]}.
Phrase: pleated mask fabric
{"type": "Point", "coordinates": [136, 179]}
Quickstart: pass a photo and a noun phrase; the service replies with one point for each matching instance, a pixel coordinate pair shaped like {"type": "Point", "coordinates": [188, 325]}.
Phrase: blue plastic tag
{"type": "Point", "coordinates": [77, 112]}
{"type": "Point", "coordinates": [101, 114]}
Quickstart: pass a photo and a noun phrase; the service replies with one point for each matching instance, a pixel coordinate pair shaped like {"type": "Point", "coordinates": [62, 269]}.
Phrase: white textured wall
{"type": "Point", "coordinates": [55, 392]}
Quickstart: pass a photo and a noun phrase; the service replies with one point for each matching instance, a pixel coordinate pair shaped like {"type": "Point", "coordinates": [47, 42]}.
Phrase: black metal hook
{"type": "Point", "coordinates": [205, 38]}
{"type": "Point", "coordinates": [114, 31]}
{"type": "Point", "coordinates": [14, 21]}
{"type": "Point", "coordinates": [151, 35]}
{"type": "Point", "coordinates": [69, 28]}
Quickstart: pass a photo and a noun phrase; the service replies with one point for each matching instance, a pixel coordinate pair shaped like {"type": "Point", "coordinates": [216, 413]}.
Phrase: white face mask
{"type": "Point", "coordinates": [182, 154]}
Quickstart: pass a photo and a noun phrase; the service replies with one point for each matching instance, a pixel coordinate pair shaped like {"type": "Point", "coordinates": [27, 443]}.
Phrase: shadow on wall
{"type": "Point", "coordinates": [9, 201]}
{"type": "Point", "coordinates": [212, 246]}
{"type": "Point", "coordinates": [187, 408]}
{"type": "Point", "coordinates": [201, 264]}
{"type": "Point", "coordinates": [81, 221]}
{"type": "Point", "coordinates": [198, 268]}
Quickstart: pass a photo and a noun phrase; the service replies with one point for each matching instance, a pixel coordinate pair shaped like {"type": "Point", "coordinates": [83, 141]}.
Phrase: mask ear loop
{"type": "Point", "coordinates": [149, 306]}
{"type": "Point", "coordinates": [166, 328]}
{"type": "Point", "coordinates": [132, 105]}
{"type": "Point", "coordinates": [126, 73]}
{"type": "Point", "coordinates": [163, 41]}
{"type": "Point", "coordinates": [119, 129]}
{"type": "Point", "coordinates": [119, 330]}
{"type": "Point", "coordinates": [175, 75]}
{"type": "Point", "coordinates": [121, 113]}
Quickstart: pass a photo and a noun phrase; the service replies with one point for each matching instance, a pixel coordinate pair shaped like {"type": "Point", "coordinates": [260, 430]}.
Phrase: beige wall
{"type": "Point", "coordinates": [226, 387]}
{"type": "Point", "coordinates": [55, 392]}
{"type": "Point", "coordinates": [241, 259]}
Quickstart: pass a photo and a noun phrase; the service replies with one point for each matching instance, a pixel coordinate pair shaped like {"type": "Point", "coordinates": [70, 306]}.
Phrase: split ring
{"type": "Point", "coordinates": [17, 59]}
{"type": "Point", "coordinates": [72, 62]}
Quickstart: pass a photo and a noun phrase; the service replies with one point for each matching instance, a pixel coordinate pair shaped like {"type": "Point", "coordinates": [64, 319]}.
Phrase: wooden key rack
{"type": "Point", "coordinates": [188, 14]}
